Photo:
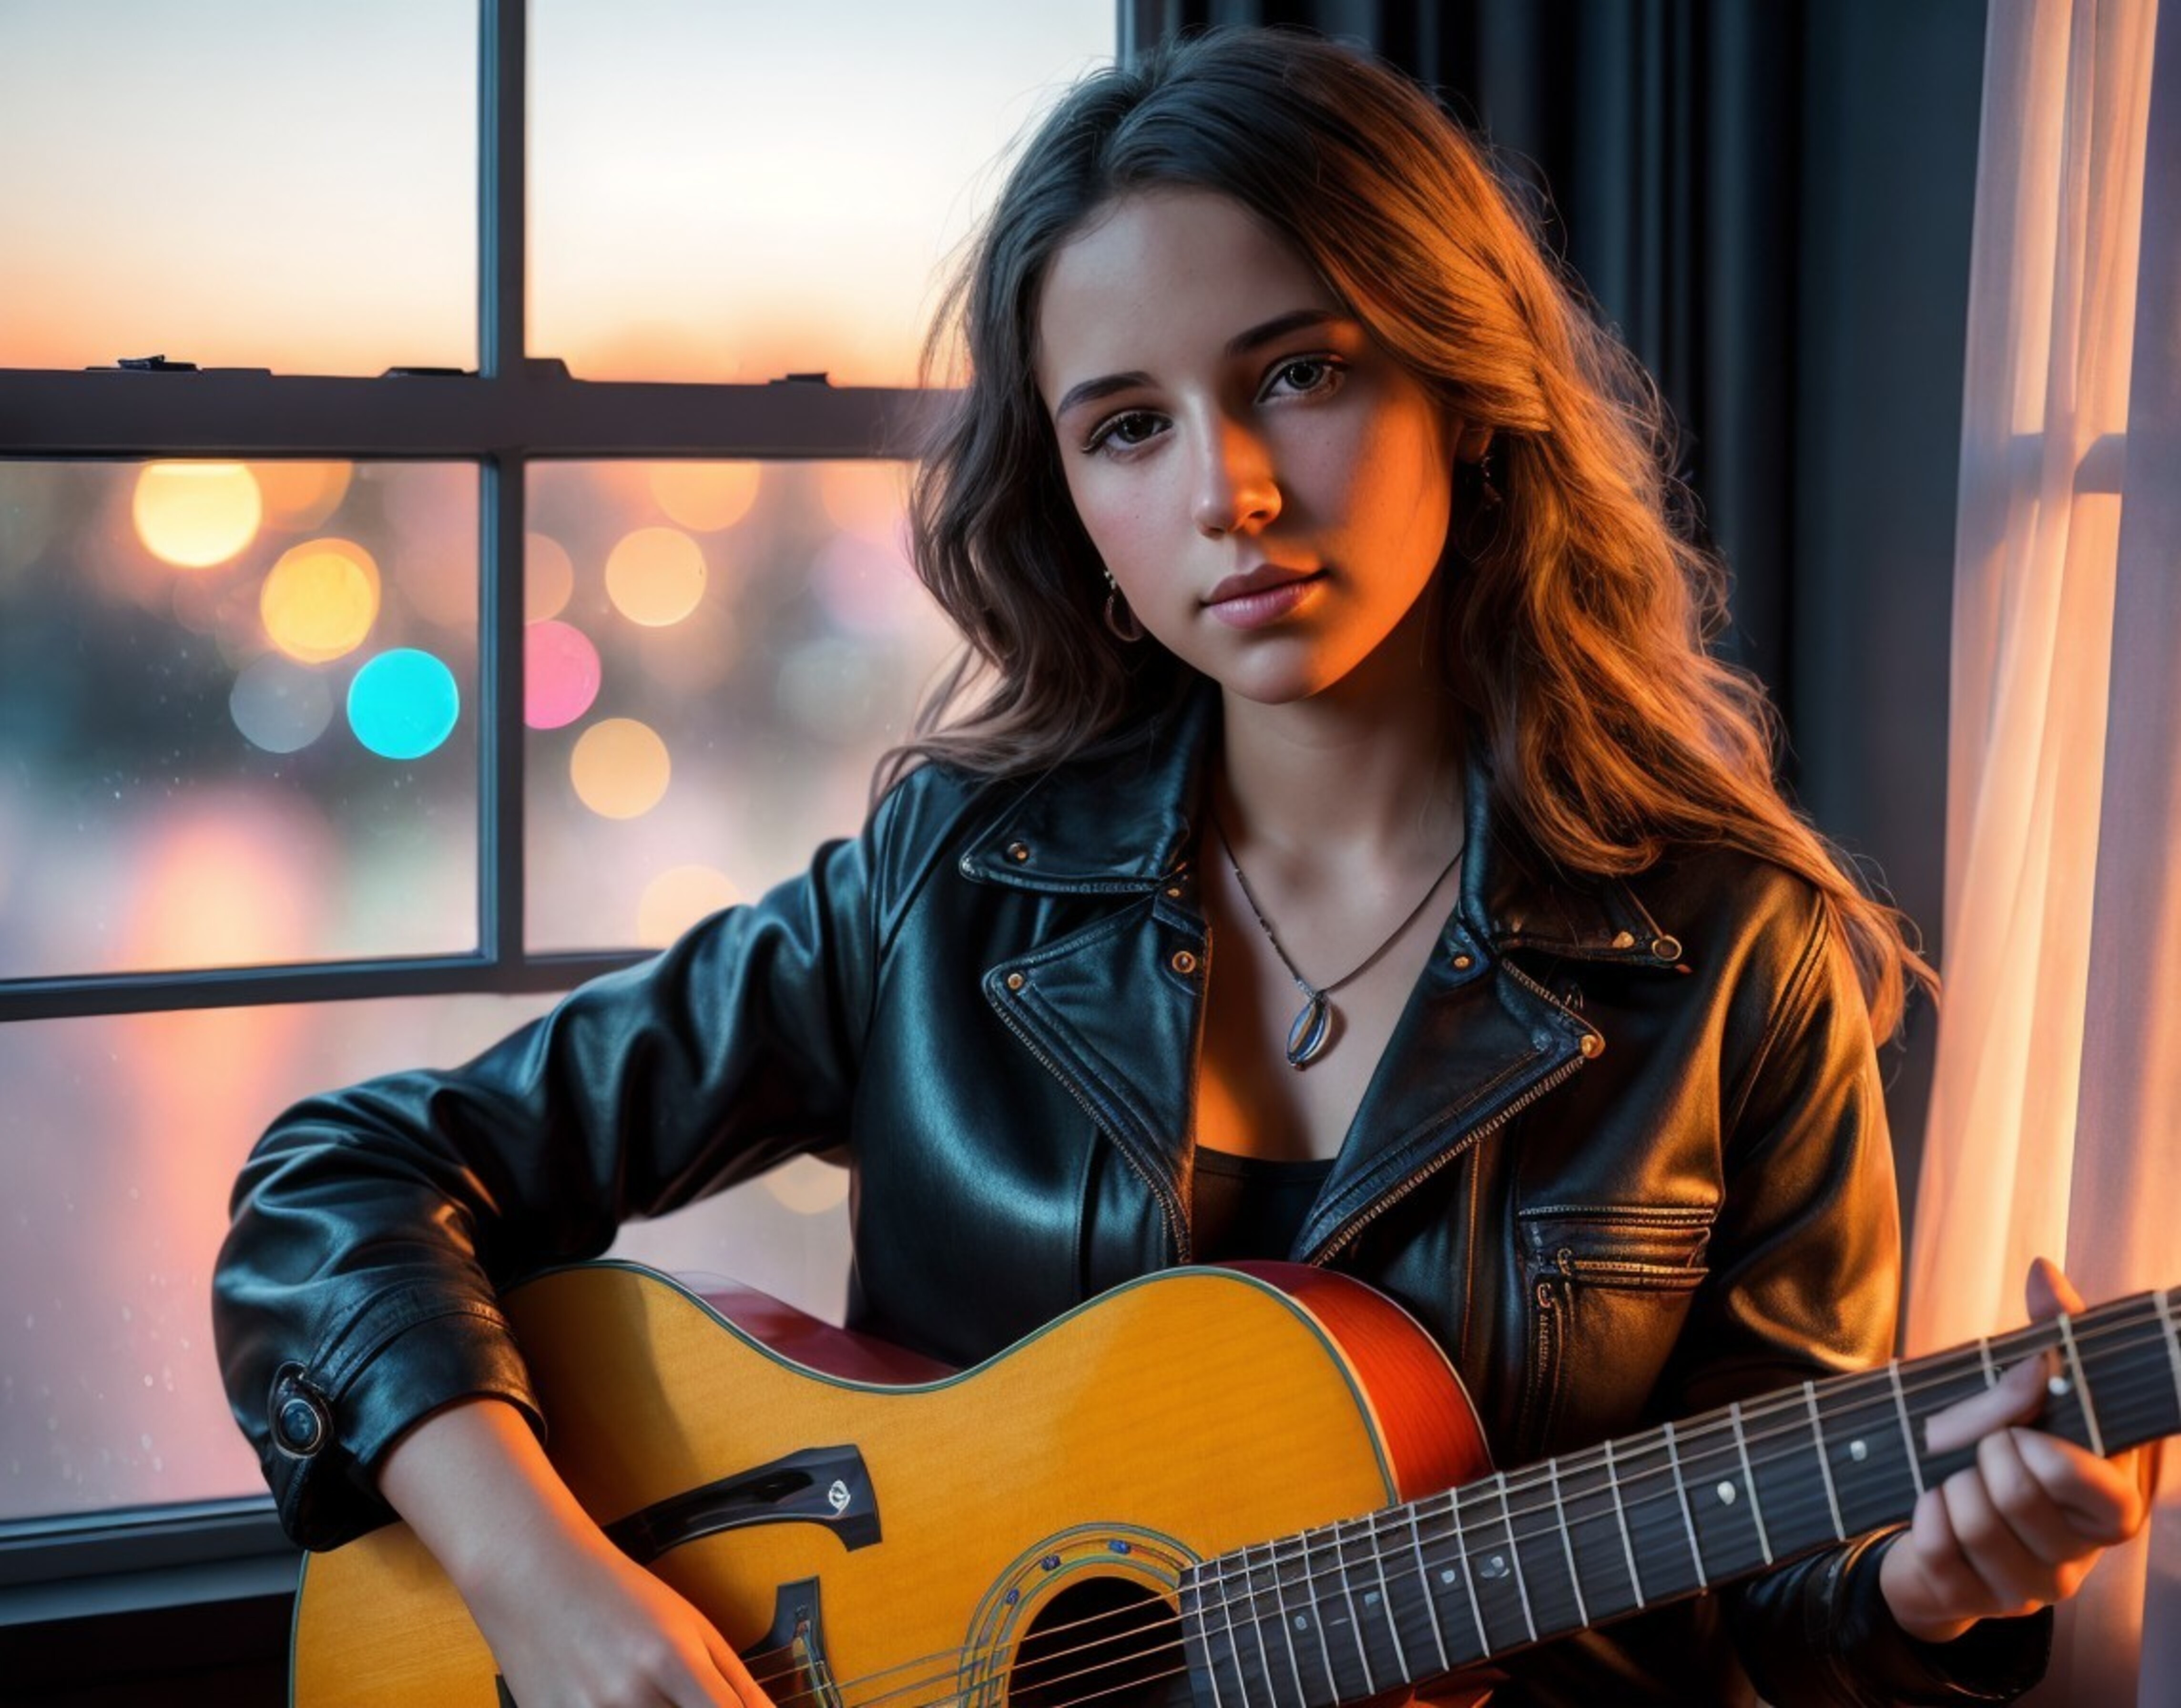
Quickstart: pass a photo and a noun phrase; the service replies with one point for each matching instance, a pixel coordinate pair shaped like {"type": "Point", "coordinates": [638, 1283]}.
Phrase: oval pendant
{"type": "Point", "coordinates": [1311, 1031]}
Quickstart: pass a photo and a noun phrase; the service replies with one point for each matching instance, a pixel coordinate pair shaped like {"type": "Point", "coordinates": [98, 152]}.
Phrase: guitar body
{"type": "Point", "coordinates": [841, 1512]}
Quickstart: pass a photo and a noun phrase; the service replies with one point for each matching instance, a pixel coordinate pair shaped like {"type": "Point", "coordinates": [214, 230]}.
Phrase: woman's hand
{"type": "Point", "coordinates": [571, 1621]}
{"type": "Point", "coordinates": [2020, 1527]}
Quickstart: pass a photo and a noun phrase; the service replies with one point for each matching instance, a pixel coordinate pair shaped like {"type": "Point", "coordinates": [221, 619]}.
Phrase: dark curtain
{"type": "Point", "coordinates": [1771, 200]}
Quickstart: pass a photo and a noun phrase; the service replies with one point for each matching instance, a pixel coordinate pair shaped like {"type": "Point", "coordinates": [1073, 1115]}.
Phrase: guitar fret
{"type": "Point", "coordinates": [1750, 1482]}
{"type": "Point", "coordinates": [1907, 1433]}
{"type": "Point", "coordinates": [1567, 1542]}
{"type": "Point", "coordinates": [1393, 1624]}
{"type": "Point", "coordinates": [1193, 1611]}
{"type": "Point", "coordinates": [1621, 1517]}
{"type": "Point", "coordinates": [1681, 1489]}
{"type": "Point", "coordinates": [1990, 1370]}
{"type": "Point", "coordinates": [1310, 1577]}
{"type": "Point", "coordinates": [1280, 1610]}
{"type": "Point", "coordinates": [2082, 1385]}
{"type": "Point", "coordinates": [2172, 1339]}
{"type": "Point", "coordinates": [1354, 1619]}
{"type": "Point", "coordinates": [1423, 1578]}
{"type": "Point", "coordinates": [1469, 1575]}
{"type": "Point", "coordinates": [1252, 1628]}
{"type": "Point", "coordinates": [1824, 1464]}
{"type": "Point", "coordinates": [1515, 1553]}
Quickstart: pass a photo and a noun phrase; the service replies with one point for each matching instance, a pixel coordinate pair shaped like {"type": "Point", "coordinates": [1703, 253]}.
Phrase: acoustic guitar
{"type": "Point", "coordinates": [1253, 1488]}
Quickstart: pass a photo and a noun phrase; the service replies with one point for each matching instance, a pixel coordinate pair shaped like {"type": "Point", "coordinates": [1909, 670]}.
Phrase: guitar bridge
{"type": "Point", "coordinates": [789, 1660]}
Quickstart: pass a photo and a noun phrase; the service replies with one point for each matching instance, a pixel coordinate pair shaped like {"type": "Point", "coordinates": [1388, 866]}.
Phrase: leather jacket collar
{"type": "Point", "coordinates": [1132, 829]}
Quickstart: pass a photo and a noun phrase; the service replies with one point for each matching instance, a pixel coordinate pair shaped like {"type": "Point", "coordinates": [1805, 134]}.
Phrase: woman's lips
{"type": "Point", "coordinates": [1260, 597]}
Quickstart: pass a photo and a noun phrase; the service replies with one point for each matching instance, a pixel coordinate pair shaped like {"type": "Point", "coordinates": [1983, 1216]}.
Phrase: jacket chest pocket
{"type": "Point", "coordinates": [1609, 1287]}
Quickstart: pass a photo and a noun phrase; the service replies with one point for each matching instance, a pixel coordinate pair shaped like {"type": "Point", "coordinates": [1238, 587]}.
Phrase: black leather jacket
{"type": "Point", "coordinates": [1625, 1156]}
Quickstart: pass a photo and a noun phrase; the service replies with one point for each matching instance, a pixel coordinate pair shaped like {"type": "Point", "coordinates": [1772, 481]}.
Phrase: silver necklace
{"type": "Point", "coordinates": [1310, 1032]}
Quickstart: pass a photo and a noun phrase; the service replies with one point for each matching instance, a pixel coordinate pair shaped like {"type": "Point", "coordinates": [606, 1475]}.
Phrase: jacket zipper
{"type": "Point", "coordinates": [1177, 1227]}
{"type": "Point", "coordinates": [1547, 1289]}
{"type": "Point", "coordinates": [1559, 1077]}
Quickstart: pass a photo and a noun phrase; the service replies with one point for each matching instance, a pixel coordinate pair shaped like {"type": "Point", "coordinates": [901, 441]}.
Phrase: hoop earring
{"type": "Point", "coordinates": [1487, 475]}
{"type": "Point", "coordinates": [1120, 620]}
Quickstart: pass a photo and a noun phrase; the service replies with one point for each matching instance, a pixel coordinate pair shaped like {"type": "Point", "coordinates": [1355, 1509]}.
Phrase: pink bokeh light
{"type": "Point", "coordinates": [560, 675]}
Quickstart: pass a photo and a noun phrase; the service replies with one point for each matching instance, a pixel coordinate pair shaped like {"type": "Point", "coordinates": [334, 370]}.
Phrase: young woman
{"type": "Point", "coordinates": [1345, 850]}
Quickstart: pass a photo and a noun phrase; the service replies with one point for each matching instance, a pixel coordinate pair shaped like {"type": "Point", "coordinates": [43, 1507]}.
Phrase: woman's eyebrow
{"type": "Point", "coordinates": [1294, 320]}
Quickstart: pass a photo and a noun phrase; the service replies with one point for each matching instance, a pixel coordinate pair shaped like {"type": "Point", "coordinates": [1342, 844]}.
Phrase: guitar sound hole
{"type": "Point", "coordinates": [1106, 1642]}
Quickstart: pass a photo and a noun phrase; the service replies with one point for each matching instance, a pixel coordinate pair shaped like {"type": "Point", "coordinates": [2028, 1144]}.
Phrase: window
{"type": "Point", "coordinates": [377, 679]}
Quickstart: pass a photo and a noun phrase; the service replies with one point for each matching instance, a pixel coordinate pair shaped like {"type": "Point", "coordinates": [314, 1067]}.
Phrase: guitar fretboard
{"type": "Point", "coordinates": [1342, 1613]}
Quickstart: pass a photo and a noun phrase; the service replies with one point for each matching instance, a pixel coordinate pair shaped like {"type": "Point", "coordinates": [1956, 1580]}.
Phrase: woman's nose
{"type": "Point", "coordinates": [1235, 485]}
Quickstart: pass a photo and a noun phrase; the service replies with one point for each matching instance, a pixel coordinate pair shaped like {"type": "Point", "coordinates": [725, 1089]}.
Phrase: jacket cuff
{"type": "Point", "coordinates": [1994, 1660]}
{"type": "Point", "coordinates": [332, 1422]}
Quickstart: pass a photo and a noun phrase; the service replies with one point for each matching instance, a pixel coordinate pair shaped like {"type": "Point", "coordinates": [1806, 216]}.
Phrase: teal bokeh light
{"type": "Point", "coordinates": [403, 704]}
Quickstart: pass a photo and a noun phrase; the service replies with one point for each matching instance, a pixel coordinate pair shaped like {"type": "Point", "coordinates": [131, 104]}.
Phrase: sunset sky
{"type": "Point", "coordinates": [719, 190]}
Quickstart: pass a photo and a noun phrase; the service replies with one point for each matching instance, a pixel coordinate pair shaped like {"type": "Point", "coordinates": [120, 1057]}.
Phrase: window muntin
{"type": "Point", "coordinates": [239, 183]}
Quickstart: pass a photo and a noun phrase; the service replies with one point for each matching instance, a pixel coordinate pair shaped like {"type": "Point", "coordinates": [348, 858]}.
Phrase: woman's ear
{"type": "Point", "coordinates": [1472, 443]}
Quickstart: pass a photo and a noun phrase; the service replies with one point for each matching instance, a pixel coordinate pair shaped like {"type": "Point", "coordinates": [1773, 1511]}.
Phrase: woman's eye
{"type": "Point", "coordinates": [1123, 432]}
{"type": "Point", "coordinates": [1306, 373]}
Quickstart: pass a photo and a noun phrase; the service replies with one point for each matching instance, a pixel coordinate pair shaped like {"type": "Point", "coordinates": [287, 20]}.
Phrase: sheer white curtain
{"type": "Point", "coordinates": [2055, 1110]}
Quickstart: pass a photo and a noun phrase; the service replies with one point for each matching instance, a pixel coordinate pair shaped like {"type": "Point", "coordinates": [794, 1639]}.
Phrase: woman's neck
{"type": "Point", "coordinates": [1369, 769]}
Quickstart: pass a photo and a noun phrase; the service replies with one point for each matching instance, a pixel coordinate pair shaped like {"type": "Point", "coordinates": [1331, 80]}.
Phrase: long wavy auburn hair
{"type": "Point", "coordinates": [1576, 608]}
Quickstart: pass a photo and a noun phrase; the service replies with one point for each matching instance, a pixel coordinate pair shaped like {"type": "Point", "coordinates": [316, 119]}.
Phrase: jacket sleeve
{"type": "Point", "coordinates": [1805, 1260]}
{"type": "Point", "coordinates": [372, 1228]}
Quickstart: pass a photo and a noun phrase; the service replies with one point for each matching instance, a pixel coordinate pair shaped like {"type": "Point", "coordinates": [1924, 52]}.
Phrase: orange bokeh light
{"type": "Point", "coordinates": [865, 498]}
{"type": "Point", "coordinates": [195, 514]}
{"type": "Point", "coordinates": [655, 577]}
{"type": "Point", "coordinates": [301, 495]}
{"type": "Point", "coordinates": [619, 769]}
{"type": "Point", "coordinates": [706, 496]}
{"type": "Point", "coordinates": [320, 600]}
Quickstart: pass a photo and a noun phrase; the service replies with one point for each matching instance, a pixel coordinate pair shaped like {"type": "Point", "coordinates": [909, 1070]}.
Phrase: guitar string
{"type": "Point", "coordinates": [953, 1659]}
{"type": "Point", "coordinates": [1345, 1563]}
{"type": "Point", "coordinates": [1530, 1478]}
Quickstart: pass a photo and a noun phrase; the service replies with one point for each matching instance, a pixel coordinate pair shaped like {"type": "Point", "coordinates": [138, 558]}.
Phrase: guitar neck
{"type": "Point", "coordinates": [1439, 1584]}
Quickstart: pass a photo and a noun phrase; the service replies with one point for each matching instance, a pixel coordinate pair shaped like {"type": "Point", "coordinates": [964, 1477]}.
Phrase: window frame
{"type": "Point", "coordinates": [512, 411]}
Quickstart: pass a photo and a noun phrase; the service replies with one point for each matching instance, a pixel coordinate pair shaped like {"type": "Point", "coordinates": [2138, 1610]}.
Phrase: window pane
{"type": "Point", "coordinates": [123, 1136]}
{"type": "Point", "coordinates": [239, 183]}
{"type": "Point", "coordinates": [717, 654]}
{"type": "Point", "coordinates": [237, 714]}
{"type": "Point", "coordinates": [741, 192]}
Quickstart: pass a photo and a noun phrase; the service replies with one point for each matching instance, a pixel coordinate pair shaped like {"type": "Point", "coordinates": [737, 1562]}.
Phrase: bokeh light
{"type": "Point", "coordinates": [195, 514]}
{"type": "Point", "coordinates": [866, 499]}
{"type": "Point", "coordinates": [677, 899]}
{"type": "Point", "coordinates": [301, 495]}
{"type": "Point", "coordinates": [320, 599]}
{"type": "Point", "coordinates": [560, 675]}
{"type": "Point", "coordinates": [706, 496]}
{"type": "Point", "coordinates": [403, 704]}
{"type": "Point", "coordinates": [280, 705]}
{"type": "Point", "coordinates": [619, 768]}
{"type": "Point", "coordinates": [655, 577]}
{"type": "Point", "coordinates": [548, 577]}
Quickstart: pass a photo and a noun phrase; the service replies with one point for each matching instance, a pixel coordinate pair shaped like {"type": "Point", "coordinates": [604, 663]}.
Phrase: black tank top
{"type": "Point", "coordinates": [1250, 1207]}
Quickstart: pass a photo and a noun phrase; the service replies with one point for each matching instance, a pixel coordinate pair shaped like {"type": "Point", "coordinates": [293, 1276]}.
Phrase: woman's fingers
{"type": "Point", "coordinates": [2050, 1291]}
{"type": "Point", "coordinates": [2018, 1528]}
{"type": "Point", "coordinates": [2015, 1395]}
